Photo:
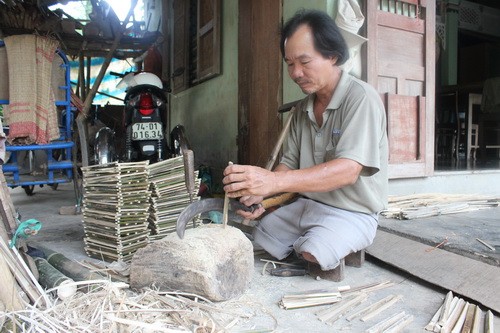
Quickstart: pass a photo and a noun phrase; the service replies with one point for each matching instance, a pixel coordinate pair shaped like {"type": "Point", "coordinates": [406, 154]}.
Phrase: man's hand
{"type": "Point", "coordinates": [248, 201]}
{"type": "Point", "coordinates": [246, 180]}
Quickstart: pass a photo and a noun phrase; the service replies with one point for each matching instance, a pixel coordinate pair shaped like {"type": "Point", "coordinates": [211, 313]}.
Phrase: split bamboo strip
{"type": "Point", "coordinates": [23, 274]}
{"type": "Point", "coordinates": [369, 287]}
{"type": "Point", "coordinates": [433, 204]}
{"type": "Point", "coordinates": [446, 315]}
{"type": "Point", "coordinates": [296, 301]}
{"type": "Point", "coordinates": [331, 314]}
{"type": "Point", "coordinates": [435, 318]}
{"type": "Point", "coordinates": [478, 318]}
{"type": "Point", "coordinates": [447, 304]}
{"type": "Point", "coordinates": [386, 323]}
{"type": "Point", "coordinates": [457, 327]}
{"type": "Point", "coordinates": [383, 307]}
{"type": "Point", "coordinates": [488, 322]}
{"type": "Point", "coordinates": [399, 326]}
{"type": "Point", "coordinates": [369, 308]}
{"type": "Point", "coordinates": [289, 304]}
{"type": "Point", "coordinates": [454, 315]}
{"type": "Point", "coordinates": [469, 319]}
{"type": "Point", "coordinates": [485, 244]}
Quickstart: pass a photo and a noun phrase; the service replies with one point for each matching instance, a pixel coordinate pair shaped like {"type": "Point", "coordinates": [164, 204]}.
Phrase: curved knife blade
{"type": "Point", "coordinates": [203, 206]}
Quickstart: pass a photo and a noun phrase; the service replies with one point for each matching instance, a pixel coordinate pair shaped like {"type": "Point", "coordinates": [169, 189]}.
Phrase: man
{"type": "Point", "coordinates": [335, 154]}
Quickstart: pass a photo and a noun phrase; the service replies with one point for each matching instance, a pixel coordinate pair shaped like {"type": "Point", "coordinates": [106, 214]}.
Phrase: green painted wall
{"type": "Point", "coordinates": [209, 111]}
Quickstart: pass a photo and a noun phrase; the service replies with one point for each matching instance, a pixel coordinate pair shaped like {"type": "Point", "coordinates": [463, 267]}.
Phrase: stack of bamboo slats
{"type": "Point", "coordinates": [458, 315]}
{"type": "Point", "coordinates": [433, 204]}
{"type": "Point", "coordinates": [346, 302]}
{"type": "Point", "coordinates": [115, 209]}
{"type": "Point", "coordinates": [169, 195]}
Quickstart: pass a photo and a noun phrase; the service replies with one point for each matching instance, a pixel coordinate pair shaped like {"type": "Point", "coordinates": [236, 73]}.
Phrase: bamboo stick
{"type": "Point", "coordinates": [369, 308]}
{"type": "Point", "coordinates": [447, 304]}
{"type": "Point", "coordinates": [469, 319]}
{"type": "Point", "coordinates": [383, 307]}
{"type": "Point", "coordinates": [279, 143]}
{"type": "Point", "coordinates": [397, 327]}
{"type": "Point", "coordinates": [485, 244]}
{"type": "Point", "coordinates": [332, 314]}
{"type": "Point", "coordinates": [488, 322]}
{"type": "Point", "coordinates": [442, 321]}
{"type": "Point", "coordinates": [370, 287]}
{"type": "Point", "coordinates": [296, 303]}
{"type": "Point", "coordinates": [386, 323]}
{"type": "Point", "coordinates": [225, 211]}
{"type": "Point", "coordinates": [478, 317]}
{"type": "Point", "coordinates": [454, 315]}
{"type": "Point", "coordinates": [457, 328]}
{"type": "Point", "coordinates": [433, 321]}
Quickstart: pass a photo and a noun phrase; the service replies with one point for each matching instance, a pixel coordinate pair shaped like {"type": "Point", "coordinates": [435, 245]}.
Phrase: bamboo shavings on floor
{"type": "Point", "coordinates": [115, 209]}
{"type": "Point", "coordinates": [112, 307]}
{"type": "Point", "coordinates": [169, 195]}
{"type": "Point", "coordinates": [434, 204]}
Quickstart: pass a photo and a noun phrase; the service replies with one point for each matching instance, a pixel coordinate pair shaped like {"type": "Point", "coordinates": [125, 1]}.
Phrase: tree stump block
{"type": "Point", "coordinates": [211, 261]}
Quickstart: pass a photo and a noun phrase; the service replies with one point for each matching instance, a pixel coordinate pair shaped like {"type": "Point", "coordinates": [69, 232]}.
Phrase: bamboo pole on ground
{"type": "Point", "coordinates": [68, 267]}
{"type": "Point", "coordinates": [51, 278]}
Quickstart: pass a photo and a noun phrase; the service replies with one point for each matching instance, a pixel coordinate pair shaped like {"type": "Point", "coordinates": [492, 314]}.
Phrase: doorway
{"type": "Point", "coordinates": [467, 61]}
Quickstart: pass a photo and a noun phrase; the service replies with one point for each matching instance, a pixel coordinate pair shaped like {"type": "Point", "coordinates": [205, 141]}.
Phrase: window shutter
{"type": "Point", "coordinates": [208, 39]}
{"type": "Point", "coordinates": [180, 41]}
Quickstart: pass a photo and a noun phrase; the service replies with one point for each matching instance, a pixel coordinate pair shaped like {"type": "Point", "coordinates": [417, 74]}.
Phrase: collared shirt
{"type": "Point", "coordinates": [354, 127]}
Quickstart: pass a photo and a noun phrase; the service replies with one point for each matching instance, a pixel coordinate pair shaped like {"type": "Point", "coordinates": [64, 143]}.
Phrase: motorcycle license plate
{"type": "Point", "coordinates": [147, 131]}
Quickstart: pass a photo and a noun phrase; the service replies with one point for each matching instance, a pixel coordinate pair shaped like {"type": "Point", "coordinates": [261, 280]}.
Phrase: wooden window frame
{"type": "Point", "coordinates": [205, 44]}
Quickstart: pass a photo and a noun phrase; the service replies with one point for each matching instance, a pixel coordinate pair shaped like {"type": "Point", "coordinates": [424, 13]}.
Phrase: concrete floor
{"type": "Point", "coordinates": [64, 233]}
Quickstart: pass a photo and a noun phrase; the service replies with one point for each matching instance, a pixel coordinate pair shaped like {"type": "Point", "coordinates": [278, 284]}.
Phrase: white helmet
{"type": "Point", "coordinates": [131, 80]}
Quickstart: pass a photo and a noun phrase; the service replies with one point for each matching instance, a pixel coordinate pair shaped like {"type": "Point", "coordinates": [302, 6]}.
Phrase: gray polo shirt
{"type": "Point", "coordinates": [354, 127]}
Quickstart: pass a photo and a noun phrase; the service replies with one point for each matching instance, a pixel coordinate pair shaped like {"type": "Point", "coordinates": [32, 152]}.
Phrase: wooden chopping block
{"type": "Point", "coordinates": [210, 261]}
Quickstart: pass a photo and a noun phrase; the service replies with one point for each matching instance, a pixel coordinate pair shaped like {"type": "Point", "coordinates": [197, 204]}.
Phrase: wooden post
{"type": "Point", "coordinates": [7, 211]}
{"type": "Point", "coordinates": [10, 291]}
{"type": "Point", "coordinates": [80, 120]}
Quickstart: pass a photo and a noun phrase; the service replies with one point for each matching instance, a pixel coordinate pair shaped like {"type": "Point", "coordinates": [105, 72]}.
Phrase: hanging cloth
{"type": "Point", "coordinates": [31, 113]}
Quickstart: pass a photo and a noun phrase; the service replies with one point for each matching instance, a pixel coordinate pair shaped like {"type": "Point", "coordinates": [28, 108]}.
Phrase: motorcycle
{"type": "Point", "coordinates": [144, 123]}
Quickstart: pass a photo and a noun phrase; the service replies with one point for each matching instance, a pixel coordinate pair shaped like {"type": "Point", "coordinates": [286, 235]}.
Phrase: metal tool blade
{"type": "Point", "coordinates": [206, 205]}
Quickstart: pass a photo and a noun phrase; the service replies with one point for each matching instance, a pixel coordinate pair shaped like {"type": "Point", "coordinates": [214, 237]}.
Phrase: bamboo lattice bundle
{"type": "Point", "coordinates": [169, 195]}
{"type": "Point", "coordinates": [115, 209]}
{"type": "Point", "coordinates": [432, 204]}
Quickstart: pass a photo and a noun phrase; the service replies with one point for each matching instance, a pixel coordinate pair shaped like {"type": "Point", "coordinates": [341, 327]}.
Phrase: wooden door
{"type": "Point", "coordinates": [259, 79]}
{"type": "Point", "coordinates": [400, 64]}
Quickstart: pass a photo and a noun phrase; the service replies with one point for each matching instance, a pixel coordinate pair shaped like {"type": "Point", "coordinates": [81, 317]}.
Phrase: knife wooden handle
{"type": "Point", "coordinates": [278, 199]}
